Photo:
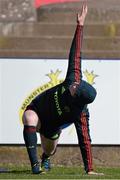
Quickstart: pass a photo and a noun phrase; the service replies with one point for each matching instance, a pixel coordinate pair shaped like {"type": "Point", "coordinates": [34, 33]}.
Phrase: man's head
{"type": "Point", "coordinates": [83, 92]}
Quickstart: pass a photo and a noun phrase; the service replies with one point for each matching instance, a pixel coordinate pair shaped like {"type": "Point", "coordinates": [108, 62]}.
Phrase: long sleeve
{"type": "Point", "coordinates": [84, 140]}
{"type": "Point", "coordinates": [74, 64]}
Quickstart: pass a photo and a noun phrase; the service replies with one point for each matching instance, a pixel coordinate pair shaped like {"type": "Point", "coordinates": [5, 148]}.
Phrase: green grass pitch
{"type": "Point", "coordinates": [24, 172]}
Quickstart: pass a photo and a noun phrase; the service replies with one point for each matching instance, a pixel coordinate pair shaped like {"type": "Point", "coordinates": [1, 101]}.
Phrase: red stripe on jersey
{"type": "Point", "coordinates": [77, 55]}
{"type": "Point", "coordinates": [86, 140]}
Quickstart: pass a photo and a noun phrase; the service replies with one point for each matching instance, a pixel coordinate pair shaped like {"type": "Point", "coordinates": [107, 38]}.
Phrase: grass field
{"type": "Point", "coordinates": [23, 172]}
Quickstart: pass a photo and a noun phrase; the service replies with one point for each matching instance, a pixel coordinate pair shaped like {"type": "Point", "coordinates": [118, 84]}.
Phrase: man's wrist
{"type": "Point", "coordinates": [80, 23]}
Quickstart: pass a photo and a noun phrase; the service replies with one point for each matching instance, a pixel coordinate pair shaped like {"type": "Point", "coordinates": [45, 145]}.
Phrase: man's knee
{"type": "Point", "coordinates": [30, 118]}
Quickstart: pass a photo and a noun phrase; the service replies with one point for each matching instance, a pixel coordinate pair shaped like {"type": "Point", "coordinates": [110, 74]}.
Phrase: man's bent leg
{"type": "Point", "coordinates": [49, 148]}
{"type": "Point", "coordinates": [30, 120]}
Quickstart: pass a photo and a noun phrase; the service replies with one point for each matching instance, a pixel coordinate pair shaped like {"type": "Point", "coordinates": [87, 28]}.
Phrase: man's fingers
{"type": "Point", "coordinates": [81, 16]}
{"type": "Point", "coordinates": [84, 9]}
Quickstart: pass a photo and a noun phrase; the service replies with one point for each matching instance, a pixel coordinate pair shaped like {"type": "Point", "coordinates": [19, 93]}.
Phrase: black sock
{"type": "Point", "coordinates": [30, 138]}
{"type": "Point", "coordinates": [45, 156]}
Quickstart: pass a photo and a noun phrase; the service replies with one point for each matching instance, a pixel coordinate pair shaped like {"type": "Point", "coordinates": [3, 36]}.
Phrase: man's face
{"type": "Point", "coordinates": [83, 92]}
{"type": "Point", "coordinates": [73, 87]}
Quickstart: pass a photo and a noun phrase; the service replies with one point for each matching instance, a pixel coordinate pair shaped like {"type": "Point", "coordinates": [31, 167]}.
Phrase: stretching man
{"type": "Point", "coordinates": [59, 107]}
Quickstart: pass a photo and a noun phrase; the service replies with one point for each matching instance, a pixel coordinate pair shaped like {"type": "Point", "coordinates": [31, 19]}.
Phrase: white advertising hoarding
{"type": "Point", "coordinates": [22, 79]}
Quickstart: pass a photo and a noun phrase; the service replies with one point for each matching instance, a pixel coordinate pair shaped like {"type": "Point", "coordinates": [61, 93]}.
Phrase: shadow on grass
{"type": "Point", "coordinates": [8, 171]}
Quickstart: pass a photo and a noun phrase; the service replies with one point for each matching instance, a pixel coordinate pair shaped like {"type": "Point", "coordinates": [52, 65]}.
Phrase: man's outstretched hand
{"type": "Point", "coordinates": [81, 16]}
{"type": "Point", "coordinates": [95, 173]}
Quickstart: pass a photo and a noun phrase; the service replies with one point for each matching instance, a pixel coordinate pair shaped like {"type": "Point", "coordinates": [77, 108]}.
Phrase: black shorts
{"type": "Point", "coordinates": [46, 129]}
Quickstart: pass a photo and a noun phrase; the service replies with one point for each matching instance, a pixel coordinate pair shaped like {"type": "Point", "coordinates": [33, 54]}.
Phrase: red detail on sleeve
{"type": "Point", "coordinates": [86, 141]}
{"type": "Point", "coordinates": [77, 53]}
